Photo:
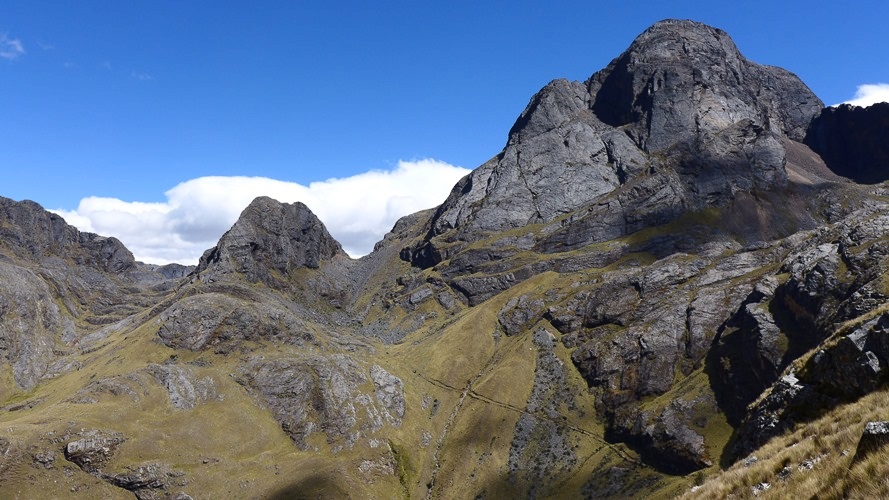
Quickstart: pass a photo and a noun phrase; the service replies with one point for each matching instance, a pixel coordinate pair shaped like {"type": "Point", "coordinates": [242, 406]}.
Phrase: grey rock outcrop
{"type": "Point", "coordinates": [185, 389]}
{"type": "Point", "coordinates": [29, 230]}
{"type": "Point", "coordinates": [668, 438]}
{"type": "Point", "coordinates": [519, 313]}
{"type": "Point", "coordinates": [93, 453]}
{"type": "Point", "coordinates": [845, 371]}
{"type": "Point", "coordinates": [130, 386]}
{"type": "Point", "coordinates": [833, 278]}
{"type": "Point", "coordinates": [749, 352]}
{"type": "Point", "coordinates": [30, 324]}
{"type": "Point", "coordinates": [680, 121]}
{"type": "Point", "coordinates": [322, 394]}
{"type": "Point", "coordinates": [389, 391]}
{"type": "Point", "coordinates": [641, 329]}
{"type": "Point", "coordinates": [148, 481]}
{"type": "Point", "coordinates": [874, 437]}
{"type": "Point", "coordinates": [222, 322]}
{"type": "Point", "coordinates": [853, 141]}
{"type": "Point", "coordinates": [93, 449]}
{"type": "Point", "coordinates": [775, 413]}
{"type": "Point", "coordinates": [269, 242]}
{"type": "Point", "coordinates": [541, 446]}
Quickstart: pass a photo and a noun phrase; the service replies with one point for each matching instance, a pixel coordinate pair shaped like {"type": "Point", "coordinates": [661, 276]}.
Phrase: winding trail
{"type": "Point", "coordinates": [467, 391]}
{"type": "Point", "coordinates": [580, 430]}
{"type": "Point", "coordinates": [436, 465]}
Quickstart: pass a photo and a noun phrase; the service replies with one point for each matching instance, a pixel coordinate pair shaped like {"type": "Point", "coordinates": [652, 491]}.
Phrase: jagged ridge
{"type": "Point", "coordinates": [587, 313]}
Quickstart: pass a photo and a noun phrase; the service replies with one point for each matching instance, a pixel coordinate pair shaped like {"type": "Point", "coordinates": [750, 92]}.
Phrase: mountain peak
{"type": "Point", "coordinates": [679, 78]}
{"type": "Point", "coordinates": [673, 36]}
{"type": "Point", "coordinates": [679, 122]}
{"type": "Point", "coordinates": [30, 231]}
{"type": "Point", "coordinates": [681, 27]}
{"type": "Point", "coordinates": [270, 238]}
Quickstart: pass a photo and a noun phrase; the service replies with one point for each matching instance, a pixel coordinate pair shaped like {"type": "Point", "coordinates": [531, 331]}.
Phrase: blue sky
{"type": "Point", "coordinates": [127, 100]}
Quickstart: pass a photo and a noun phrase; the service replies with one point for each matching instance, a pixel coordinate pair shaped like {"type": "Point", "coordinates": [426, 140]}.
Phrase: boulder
{"type": "Point", "coordinates": [93, 449]}
{"type": "Point", "coordinates": [874, 437]}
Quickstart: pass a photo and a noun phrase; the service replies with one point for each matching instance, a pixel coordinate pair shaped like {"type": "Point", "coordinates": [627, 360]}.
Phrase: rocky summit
{"type": "Point", "coordinates": [673, 280]}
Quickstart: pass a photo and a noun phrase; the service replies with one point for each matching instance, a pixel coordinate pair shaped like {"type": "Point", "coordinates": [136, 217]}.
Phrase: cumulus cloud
{"type": "Point", "coordinates": [869, 94]}
{"type": "Point", "coordinates": [10, 48]}
{"type": "Point", "coordinates": [357, 210]}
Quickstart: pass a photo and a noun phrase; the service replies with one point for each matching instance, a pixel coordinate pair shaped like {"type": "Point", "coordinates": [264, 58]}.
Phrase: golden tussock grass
{"type": "Point", "coordinates": [813, 461]}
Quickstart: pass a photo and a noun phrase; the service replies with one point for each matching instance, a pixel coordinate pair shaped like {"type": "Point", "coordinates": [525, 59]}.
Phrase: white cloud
{"type": "Point", "coordinates": [357, 210]}
{"type": "Point", "coordinates": [10, 48]}
{"type": "Point", "coordinates": [868, 94]}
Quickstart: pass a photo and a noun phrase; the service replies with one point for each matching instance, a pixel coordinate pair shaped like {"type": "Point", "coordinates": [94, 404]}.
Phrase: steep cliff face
{"type": "Point", "coordinates": [653, 277]}
{"type": "Point", "coordinates": [679, 122]}
{"type": "Point", "coordinates": [270, 238]}
{"type": "Point", "coordinates": [60, 289]}
{"type": "Point", "coordinates": [854, 141]}
{"type": "Point", "coordinates": [680, 79]}
{"type": "Point", "coordinates": [27, 230]}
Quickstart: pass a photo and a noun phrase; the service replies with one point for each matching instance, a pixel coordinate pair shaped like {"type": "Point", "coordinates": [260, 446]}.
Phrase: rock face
{"type": "Point", "coordinates": [853, 141]}
{"type": "Point", "coordinates": [93, 450]}
{"type": "Point", "coordinates": [323, 395]}
{"type": "Point", "coordinates": [27, 229]}
{"type": "Point", "coordinates": [58, 286]}
{"type": "Point", "coordinates": [31, 324]}
{"type": "Point", "coordinates": [874, 437]}
{"type": "Point", "coordinates": [269, 241]}
{"type": "Point", "coordinates": [681, 78]}
{"type": "Point", "coordinates": [223, 322]}
{"type": "Point", "coordinates": [834, 278]}
{"type": "Point", "coordinates": [681, 91]}
{"type": "Point", "coordinates": [856, 365]}
{"type": "Point", "coordinates": [185, 389]}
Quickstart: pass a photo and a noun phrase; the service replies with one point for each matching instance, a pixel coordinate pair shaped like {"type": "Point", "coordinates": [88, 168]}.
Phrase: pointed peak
{"type": "Point", "coordinates": [271, 238]}
{"type": "Point", "coordinates": [268, 202]}
{"type": "Point", "coordinates": [680, 77]}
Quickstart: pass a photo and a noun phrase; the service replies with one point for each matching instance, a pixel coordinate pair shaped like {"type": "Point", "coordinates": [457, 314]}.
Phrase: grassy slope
{"type": "Point", "coordinates": [819, 457]}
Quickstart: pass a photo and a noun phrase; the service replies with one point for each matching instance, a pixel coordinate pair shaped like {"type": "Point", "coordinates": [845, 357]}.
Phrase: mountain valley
{"type": "Point", "coordinates": [673, 280]}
